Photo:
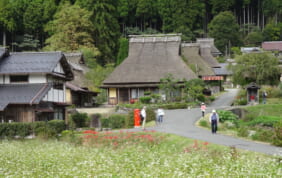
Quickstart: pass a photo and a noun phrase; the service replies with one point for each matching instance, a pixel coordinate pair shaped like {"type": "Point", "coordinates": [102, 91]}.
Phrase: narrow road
{"type": "Point", "coordinates": [182, 122]}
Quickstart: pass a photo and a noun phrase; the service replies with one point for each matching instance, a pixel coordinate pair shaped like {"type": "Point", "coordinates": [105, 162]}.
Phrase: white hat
{"type": "Point", "coordinates": [203, 103]}
{"type": "Point", "coordinates": [213, 110]}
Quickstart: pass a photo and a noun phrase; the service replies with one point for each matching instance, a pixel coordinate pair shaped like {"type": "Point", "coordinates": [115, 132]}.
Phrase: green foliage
{"type": "Point", "coordinates": [261, 68]}
{"type": "Point", "coordinates": [254, 39]}
{"type": "Point", "coordinates": [145, 99]}
{"type": "Point", "coordinates": [19, 129]}
{"type": "Point", "coordinates": [193, 90]}
{"type": "Point", "coordinates": [117, 121]}
{"type": "Point", "coordinates": [106, 28]}
{"type": "Point", "coordinates": [79, 119]}
{"type": "Point", "coordinates": [268, 121]}
{"type": "Point", "coordinates": [70, 30]}
{"type": "Point", "coordinates": [227, 116]}
{"type": "Point", "coordinates": [278, 134]}
{"type": "Point", "coordinates": [27, 43]}
{"type": "Point", "coordinates": [169, 85]}
{"type": "Point", "coordinates": [225, 30]}
{"type": "Point", "coordinates": [123, 50]}
{"type": "Point", "coordinates": [97, 75]}
{"type": "Point", "coordinates": [203, 123]}
{"type": "Point", "coordinates": [272, 31]}
{"type": "Point", "coordinates": [57, 125]}
{"type": "Point", "coordinates": [243, 132]}
{"type": "Point", "coordinates": [150, 114]}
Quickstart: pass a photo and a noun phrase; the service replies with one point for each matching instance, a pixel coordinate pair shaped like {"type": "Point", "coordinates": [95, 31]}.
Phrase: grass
{"type": "Point", "coordinates": [170, 156]}
{"type": "Point", "coordinates": [266, 110]}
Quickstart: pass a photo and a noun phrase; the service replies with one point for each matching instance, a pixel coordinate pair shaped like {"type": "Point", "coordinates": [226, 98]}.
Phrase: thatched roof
{"type": "Point", "coordinates": [191, 52]}
{"type": "Point", "coordinates": [207, 48]}
{"type": "Point", "coordinates": [79, 69]}
{"type": "Point", "coordinates": [150, 59]}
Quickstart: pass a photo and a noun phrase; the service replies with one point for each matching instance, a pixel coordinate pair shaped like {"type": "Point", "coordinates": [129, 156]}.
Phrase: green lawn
{"type": "Point", "coordinates": [146, 154]}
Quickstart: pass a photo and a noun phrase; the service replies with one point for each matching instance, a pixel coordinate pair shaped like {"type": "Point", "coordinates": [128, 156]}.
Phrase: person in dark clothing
{"type": "Point", "coordinates": [214, 120]}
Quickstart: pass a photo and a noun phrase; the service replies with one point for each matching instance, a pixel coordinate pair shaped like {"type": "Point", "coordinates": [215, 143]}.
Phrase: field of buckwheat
{"type": "Point", "coordinates": [131, 154]}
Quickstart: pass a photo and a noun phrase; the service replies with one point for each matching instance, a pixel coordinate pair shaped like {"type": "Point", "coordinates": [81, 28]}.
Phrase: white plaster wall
{"type": "Point", "coordinates": [59, 69]}
{"type": "Point", "coordinates": [37, 78]}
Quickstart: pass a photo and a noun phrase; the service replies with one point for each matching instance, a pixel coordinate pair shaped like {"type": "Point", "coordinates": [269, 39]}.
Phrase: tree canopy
{"type": "Point", "coordinates": [261, 68]}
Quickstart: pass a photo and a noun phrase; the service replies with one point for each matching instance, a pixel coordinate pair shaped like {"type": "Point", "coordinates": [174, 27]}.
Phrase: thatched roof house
{"type": "Point", "coordinates": [191, 53]}
{"type": "Point", "coordinates": [150, 59]}
{"type": "Point", "coordinates": [208, 51]}
{"type": "Point", "coordinates": [77, 89]}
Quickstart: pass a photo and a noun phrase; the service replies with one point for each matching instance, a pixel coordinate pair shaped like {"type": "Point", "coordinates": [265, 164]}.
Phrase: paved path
{"type": "Point", "coordinates": [182, 122]}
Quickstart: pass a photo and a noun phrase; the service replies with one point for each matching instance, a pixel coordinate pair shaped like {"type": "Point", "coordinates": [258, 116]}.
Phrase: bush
{"type": "Point", "coordinates": [150, 115]}
{"type": "Point", "coordinates": [40, 128]}
{"type": "Point", "coordinates": [263, 135]}
{"type": "Point", "coordinates": [79, 119]}
{"type": "Point", "coordinates": [203, 123]}
{"type": "Point", "coordinates": [227, 116]}
{"type": "Point", "coordinates": [243, 132]}
{"type": "Point", "coordinates": [145, 99]}
{"type": "Point", "coordinates": [268, 121]}
{"type": "Point", "coordinates": [57, 125]}
{"type": "Point", "coordinates": [175, 106]}
{"type": "Point", "coordinates": [277, 140]}
{"type": "Point", "coordinates": [115, 121]}
{"type": "Point", "coordinates": [129, 120]}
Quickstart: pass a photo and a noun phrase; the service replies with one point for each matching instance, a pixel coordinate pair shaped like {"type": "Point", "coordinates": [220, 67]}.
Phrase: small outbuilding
{"type": "Point", "coordinates": [252, 93]}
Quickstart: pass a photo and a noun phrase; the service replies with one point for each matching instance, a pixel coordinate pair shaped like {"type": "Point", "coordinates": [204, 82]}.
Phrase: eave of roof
{"type": "Point", "coordinates": [22, 94]}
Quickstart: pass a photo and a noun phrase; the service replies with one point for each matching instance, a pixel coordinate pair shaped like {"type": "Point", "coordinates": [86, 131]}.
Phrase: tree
{"type": "Point", "coordinates": [106, 27]}
{"type": "Point", "coordinates": [224, 29]}
{"type": "Point", "coordinates": [123, 50]}
{"type": "Point", "coordinates": [169, 85]}
{"type": "Point", "coordinates": [193, 89]}
{"type": "Point", "coordinates": [70, 30]}
{"type": "Point", "coordinates": [261, 68]}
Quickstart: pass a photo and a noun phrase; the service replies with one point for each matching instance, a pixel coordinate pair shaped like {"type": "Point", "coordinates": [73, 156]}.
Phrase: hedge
{"type": "Point", "coordinates": [22, 130]}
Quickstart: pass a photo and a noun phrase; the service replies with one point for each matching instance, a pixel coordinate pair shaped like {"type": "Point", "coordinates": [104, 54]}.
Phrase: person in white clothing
{"type": "Point", "coordinates": [214, 120]}
{"type": "Point", "coordinates": [160, 115]}
{"type": "Point", "coordinates": [143, 114]}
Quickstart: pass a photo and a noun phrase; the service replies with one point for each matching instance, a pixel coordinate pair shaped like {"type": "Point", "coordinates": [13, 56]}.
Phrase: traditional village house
{"type": "Point", "coordinates": [151, 58]}
{"type": "Point", "coordinates": [200, 56]}
{"type": "Point", "coordinates": [77, 92]}
{"type": "Point", "coordinates": [32, 86]}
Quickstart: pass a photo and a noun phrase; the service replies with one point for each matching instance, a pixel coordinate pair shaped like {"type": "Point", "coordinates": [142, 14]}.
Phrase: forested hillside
{"type": "Point", "coordinates": [97, 25]}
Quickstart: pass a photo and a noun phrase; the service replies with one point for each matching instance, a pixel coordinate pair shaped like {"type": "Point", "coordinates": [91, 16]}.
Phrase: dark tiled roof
{"type": "Point", "coordinates": [77, 88]}
{"type": "Point", "coordinates": [22, 93]}
{"type": "Point", "coordinates": [222, 70]}
{"type": "Point", "coordinates": [151, 59]}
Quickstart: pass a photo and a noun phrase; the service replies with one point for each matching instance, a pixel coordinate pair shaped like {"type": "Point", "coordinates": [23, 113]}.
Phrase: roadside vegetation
{"type": "Point", "coordinates": [262, 122]}
{"type": "Point", "coordinates": [130, 154]}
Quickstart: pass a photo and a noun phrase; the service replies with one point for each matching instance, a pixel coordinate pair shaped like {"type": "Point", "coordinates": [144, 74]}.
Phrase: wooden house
{"type": "Point", "coordinates": [77, 92]}
{"type": "Point", "coordinates": [32, 86]}
{"type": "Point", "coordinates": [150, 58]}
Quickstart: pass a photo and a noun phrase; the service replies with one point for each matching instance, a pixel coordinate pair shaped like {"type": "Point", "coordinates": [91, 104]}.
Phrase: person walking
{"type": "Point", "coordinates": [214, 120]}
{"type": "Point", "coordinates": [143, 115]}
{"type": "Point", "coordinates": [160, 115]}
{"type": "Point", "coordinates": [264, 95]}
{"type": "Point", "coordinates": [203, 109]}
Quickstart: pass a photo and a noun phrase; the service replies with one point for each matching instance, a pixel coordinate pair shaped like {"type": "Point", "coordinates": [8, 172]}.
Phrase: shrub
{"type": "Point", "coordinates": [243, 132]}
{"type": "Point", "coordinates": [150, 115]}
{"type": "Point", "coordinates": [263, 135]}
{"type": "Point", "coordinates": [57, 125]}
{"type": "Point", "coordinates": [227, 115]}
{"type": "Point", "coordinates": [175, 106]}
{"type": "Point", "coordinates": [203, 123]}
{"type": "Point", "coordinates": [114, 121]}
{"type": "Point", "coordinates": [129, 120]}
{"type": "Point", "coordinates": [79, 119]}
{"type": "Point", "coordinates": [277, 140]}
{"type": "Point", "coordinates": [268, 121]}
{"type": "Point", "coordinates": [145, 99]}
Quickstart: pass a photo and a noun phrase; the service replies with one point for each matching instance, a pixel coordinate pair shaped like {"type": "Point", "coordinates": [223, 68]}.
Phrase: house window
{"type": "Point", "coordinates": [18, 78]}
{"type": "Point", "coordinates": [58, 86]}
{"type": "Point", "coordinates": [59, 114]}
